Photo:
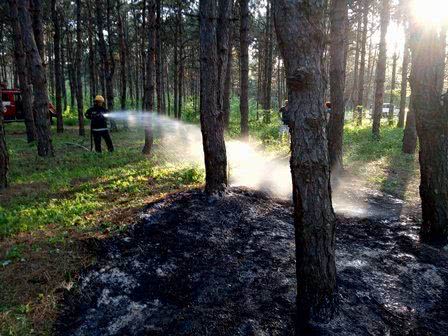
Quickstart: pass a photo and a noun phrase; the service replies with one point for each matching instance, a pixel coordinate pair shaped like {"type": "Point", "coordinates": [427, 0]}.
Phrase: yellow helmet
{"type": "Point", "coordinates": [99, 99]}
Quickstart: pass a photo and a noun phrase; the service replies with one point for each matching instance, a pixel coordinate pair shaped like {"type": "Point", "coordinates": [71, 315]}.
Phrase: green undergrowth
{"type": "Point", "coordinates": [67, 189]}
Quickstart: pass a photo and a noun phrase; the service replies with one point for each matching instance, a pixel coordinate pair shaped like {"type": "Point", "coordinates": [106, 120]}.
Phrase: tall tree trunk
{"type": "Point", "coordinates": [410, 131]}
{"type": "Point", "coordinates": [4, 157]}
{"type": "Point", "coordinates": [362, 67]}
{"type": "Point", "coordinates": [227, 88]}
{"type": "Point", "coordinates": [244, 67]}
{"type": "Point", "coordinates": [57, 66]}
{"type": "Point", "coordinates": [71, 70]}
{"type": "Point", "coordinates": [148, 96]}
{"type": "Point", "coordinates": [392, 89]}
{"type": "Point", "coordinates": [39, 80]}
{"type": "Point", "coordinates": [339, 21]}
{"type": "Point", "coordinates": [432, 129]}
{"type": "Point", "coordinates": [111, 66]}
{"type": "Point", "coordinates": [121, 37]}
{"type": "Point", "coordinates": [158, 59]}
{"type": "Point", "coordinates": [181, 63]}
{"type": "Point", "coordinates": [300, 32]}
{"type": "Point", "coordinates": [63, 68]}
{"type": "Point", "coordinates": [268, 65]}
{"type": "Point", "coordinates": [92, 65]}
{"type": "Point", "coordinates": [23, 75]}
{"type": "Point", "coordinates": [79, 50]}
{"type": "Point", "coordinates": [36, 10]}
{"type": "Point", "coordinates": [359, 34]}
{"type": "Point", "coordinates": [211, 58]}
{"type": "Point", "coordinates": [404, 82]}
{"type": "Point", "coordinates": [176, 69]}
{"type": "Point", "coordinates": [380, 76]}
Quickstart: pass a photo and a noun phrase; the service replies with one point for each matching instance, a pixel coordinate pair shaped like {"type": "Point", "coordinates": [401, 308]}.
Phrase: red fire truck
{"type": "Point", "coordinates": [12, 104]}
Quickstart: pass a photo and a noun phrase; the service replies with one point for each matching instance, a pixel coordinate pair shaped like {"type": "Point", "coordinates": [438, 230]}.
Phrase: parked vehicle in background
{"type": "Point", "coordinates": [12, 104]}
{"type": "Point", "coordinates": [385, 110]}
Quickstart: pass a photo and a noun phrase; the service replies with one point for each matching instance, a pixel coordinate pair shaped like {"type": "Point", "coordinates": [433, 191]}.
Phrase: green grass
{"type": "Point", "coordinates": [64, 189]}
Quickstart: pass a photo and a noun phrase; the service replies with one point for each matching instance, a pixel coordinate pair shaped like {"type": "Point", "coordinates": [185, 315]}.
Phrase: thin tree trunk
{"type": "Point", "coordinates": [176, 69]}
{"type": "Point", "coordinates": [92, 66]}
{"type": "Point", "coordinates": [158, 59]}
{"type": "Point", "coordinates": [361, 101]}
{"type": "Point", "coordinates": [410, 132]}
{"type": "Point", "coordinates": [110, 68]}
{"type": "Point", "coordinates": [79, 51]}
{"type": "Point", "coordinates": [38, 78]}
{"type": "Point", "coordinates": [4, 157]}
{"type": "Point", "coordinates": [123, 74]}
{"type": "Point", "coordinates": [148, 97]}
{"type": "Point", "coordinates": [357, 54]}
{"type": "Point", "coordinates": [268, 66]}
{"type": "Point", "coordinates": [392, 89]}
{"type": "Point", "coordinates": [57, 66]}
{"type": "Point", "coordinates": [23, 74]}
{"type": "Point", "coordinates": [35, 9]}
{"type": "Point", "coordinates": [380, 76]}
{"type": "Point", "coordinates": [211, 58]}
{"type": "Point", "coordinates": [432, 129]}
{"type": "Point", "coordinates": [404, 83]}
{"type": "Point", "coordinates": [314, 220]}
{"type": "Point", "coordinates": [63, 84]}
{"type": "Point", "coordinates": [244, 67]}
{"type": "Point", "coordinates": [227, 88]}
{"type": "Point", "coordinates": [339, 21]}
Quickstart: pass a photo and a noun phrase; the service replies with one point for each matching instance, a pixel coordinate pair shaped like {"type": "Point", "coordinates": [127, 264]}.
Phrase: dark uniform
{"type": "Point", "coordinates": [285, 115]}
{"type": "Point", "coordinates": [98, 127]}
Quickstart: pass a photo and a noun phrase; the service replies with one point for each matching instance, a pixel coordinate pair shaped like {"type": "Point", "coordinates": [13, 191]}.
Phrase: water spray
{"type": "Point", "coordinates": [249, 166]}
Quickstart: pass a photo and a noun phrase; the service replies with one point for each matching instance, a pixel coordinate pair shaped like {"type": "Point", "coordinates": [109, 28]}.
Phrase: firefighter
{"type": "Point", "coordinates": [285, 119]}
{"type": "Point", "coordinates": [98, 125]}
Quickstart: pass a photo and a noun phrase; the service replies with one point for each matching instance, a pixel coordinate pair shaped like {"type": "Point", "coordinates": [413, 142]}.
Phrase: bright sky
{"type": "Point", "coordinates": [430, 11]}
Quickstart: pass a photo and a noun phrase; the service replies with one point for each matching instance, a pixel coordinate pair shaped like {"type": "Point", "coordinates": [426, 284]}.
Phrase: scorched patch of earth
{"type": "Point", "coordinates": [195, 266]}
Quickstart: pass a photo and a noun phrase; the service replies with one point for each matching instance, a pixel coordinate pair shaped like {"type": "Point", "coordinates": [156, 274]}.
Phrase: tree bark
{"type": "Point", "coordinates": [227, 88]}
{"type": "Point", "coordinates": [339, 21]}
{"type": "Point", "coordinates": [380, 75]}
{"type": "Point", "coordinates": [404, 83]}
{"type": "Point", "coordinates": [57, 66]}
{"type": "Point", "coordinates": [300, 33]}
{"type": "Point", "coordinates": [267, 83]}
{"type": "Point", "coordinates": [357, 54]}
{"type": "Point", "coordinates": [410, 132]}
{"type": "Point", "coordinates": [432, 129]}
{"type": "Point", "coordinates": [37, 24]}
{"type": "Point", "coordinates": [79, 51]}
{"type": "Point", "coordinates": [362, 67]}
{"type": "Point", "coordinates": [244, 67]}
{"type": "Point", "coordinates": [148, 96]}
{"type": "Point", "coordinates": [392, 89]}
{"type": "Point", "coordinates": [23, 74]}
{"type": "Point", "coordinates": [4, 157]}
{"type": "Point", "coordinates": [39, 80]}
{"type": "Point", "coordinates": [158, 59]}
{"type": "Point", "coordinates": [92, 65]}
{"type": "Point", "coordinates": [212, 127]}
{"type": "Point", "coordinates": [121, 37]}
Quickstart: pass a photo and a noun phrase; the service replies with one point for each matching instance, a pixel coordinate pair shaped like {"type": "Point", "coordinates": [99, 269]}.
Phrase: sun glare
{"type": "Point", "coordinates": [431, 11]}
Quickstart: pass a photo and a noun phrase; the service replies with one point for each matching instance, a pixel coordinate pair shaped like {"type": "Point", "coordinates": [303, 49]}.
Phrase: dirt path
{"type": "Point", "coordinates": [196, 267]}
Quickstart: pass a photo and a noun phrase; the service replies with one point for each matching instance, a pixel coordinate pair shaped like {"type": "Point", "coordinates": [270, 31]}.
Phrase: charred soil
{"type": "Point", "coordinates": [198, 266]}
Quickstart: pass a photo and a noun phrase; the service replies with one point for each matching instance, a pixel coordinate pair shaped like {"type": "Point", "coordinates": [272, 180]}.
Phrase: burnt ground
{"type": "Point", "coordinates": [199, 266]}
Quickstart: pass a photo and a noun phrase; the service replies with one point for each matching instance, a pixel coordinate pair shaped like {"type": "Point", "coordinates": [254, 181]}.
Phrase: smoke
{"type": "Point", "coordinates": [249, 166]}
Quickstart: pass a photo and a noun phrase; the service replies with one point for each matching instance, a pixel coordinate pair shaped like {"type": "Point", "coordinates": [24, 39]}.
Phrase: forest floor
{"type": "Point", "coordinates": [57, 211]}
